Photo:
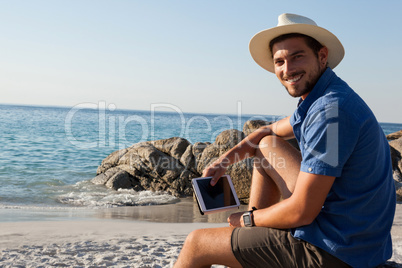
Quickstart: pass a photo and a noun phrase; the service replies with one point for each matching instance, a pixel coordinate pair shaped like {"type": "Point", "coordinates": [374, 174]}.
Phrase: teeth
{"type": "Point", "coordinates": [294, 79]}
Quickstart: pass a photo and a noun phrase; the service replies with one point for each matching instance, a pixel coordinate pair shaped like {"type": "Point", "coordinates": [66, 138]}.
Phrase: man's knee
{"type": "Point", "coordinates": [280, 161]}
{"type": "Point", "coordinates": [197, 247]}
{"type": "Point", "coordinates": [270, 142]}
{"type": "Point", "coordinates": [270, 148]}
{"type": "Point", "coordinates": [188, 252]}
{"type": "Point", "coordinates": [191, 238]}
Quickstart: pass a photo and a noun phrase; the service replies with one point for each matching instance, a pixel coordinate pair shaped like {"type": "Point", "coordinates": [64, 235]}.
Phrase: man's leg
{"type": "Point", "coordinates": [276, 167]}
{"type": "Point", "coordinates": [205, 247]}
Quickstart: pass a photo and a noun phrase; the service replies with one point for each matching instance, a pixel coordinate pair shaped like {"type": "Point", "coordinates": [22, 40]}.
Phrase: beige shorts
{"type": "Point", "coordinates": [267, 247]}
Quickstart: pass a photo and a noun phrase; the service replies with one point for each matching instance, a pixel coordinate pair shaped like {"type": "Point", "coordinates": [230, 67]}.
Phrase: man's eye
{"type": "Point", "coordinates": [278, 62]}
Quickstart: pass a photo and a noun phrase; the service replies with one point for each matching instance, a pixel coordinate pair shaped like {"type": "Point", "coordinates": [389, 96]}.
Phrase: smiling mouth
{"type": "Point", "coordinates": [294, 79]}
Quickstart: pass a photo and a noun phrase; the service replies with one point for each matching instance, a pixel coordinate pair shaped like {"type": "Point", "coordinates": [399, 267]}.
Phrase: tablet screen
{"type": "Point", "coordinates": [217, 196]}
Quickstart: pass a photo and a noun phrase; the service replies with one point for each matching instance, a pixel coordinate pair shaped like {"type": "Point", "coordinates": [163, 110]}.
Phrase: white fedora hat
{"type": "Point", "coordinates": [291, 23]}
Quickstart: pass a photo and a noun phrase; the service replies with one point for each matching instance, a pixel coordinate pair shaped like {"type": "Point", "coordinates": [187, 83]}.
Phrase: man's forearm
{"type": "Point", "coordinates": [247, 147]}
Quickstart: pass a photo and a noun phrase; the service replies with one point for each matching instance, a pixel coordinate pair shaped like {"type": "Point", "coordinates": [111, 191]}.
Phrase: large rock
{"type": "Point", "coordinates": [395, 135]}
{"type": "Point", "coordinates": [144, 167]}
{"type": "Point", "coordinates": [396, 157]}
{"type": "Point", "coordinates": [241, 172]}
{"type": "Point", "coordinates": [398, 184]}
{"type": "Point", "coordinates": [223, 143]}
{"type": "Point", "coordinates": [170, 164]}
{"type": "Point", "coordinates": [123, 179]}
{"type": "Point", "coordinates": [252, 125]}
{"type": "Point", "coordinates": [111, 160]}
{"type": "Point", "coordinates": [396, 154]}
{"type": "Point", "coordinates": [175, 147]}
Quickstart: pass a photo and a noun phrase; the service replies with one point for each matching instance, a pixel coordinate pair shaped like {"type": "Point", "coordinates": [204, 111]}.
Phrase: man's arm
{"type": "Point", "coordinates": [247, 147]}
{"type": "Point", "coordinates": [282, 128]}
{"type": "Point", "coordinates": [301, 208]}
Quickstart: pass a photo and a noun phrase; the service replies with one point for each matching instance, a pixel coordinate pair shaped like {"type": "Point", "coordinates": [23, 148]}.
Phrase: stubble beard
{"type": "Point", "coordinates": [309, 85]}
{"type": "Point", "coordinates": [298, 93]}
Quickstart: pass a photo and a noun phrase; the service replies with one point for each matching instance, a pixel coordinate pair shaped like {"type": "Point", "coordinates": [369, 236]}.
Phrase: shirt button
{"type": "Point", "coordinates": [310, 169]}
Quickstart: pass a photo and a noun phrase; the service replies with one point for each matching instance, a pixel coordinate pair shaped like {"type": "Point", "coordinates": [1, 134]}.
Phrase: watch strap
{"type": "Point", "coordinates": [252, 215]}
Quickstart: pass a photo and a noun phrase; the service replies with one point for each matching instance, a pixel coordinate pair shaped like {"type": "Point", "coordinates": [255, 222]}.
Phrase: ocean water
{"type": "Point", "coordinates": [49, 154]}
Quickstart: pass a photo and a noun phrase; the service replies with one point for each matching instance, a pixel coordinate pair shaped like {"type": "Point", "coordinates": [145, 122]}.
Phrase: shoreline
{"type": "Point", "coordinates": [183, 211]}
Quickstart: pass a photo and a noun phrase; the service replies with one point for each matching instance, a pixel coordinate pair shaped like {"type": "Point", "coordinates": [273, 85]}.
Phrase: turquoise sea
{"type": "Point", "coordinates": [49, 154]}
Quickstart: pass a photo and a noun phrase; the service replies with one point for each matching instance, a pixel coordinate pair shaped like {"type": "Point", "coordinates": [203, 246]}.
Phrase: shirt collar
{"type": "Point", "coordinates": [318, 91]}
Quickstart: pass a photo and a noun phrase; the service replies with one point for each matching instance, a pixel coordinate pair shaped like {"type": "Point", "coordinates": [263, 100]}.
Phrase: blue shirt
{"type": "Point", "coordinates": [339, 136]}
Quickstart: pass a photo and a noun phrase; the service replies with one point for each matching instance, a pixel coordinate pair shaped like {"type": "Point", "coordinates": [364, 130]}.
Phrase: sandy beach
{"type": "Point", "coordinates": [111, 242]}
{"type": "Point", "coordinates": [101, 243]}
{"type": "Point", "coordinates": [143, 236]}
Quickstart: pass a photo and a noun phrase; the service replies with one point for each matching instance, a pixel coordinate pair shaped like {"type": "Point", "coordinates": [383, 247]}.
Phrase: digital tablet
{"type": "Point", "coordinates": [216, 198]}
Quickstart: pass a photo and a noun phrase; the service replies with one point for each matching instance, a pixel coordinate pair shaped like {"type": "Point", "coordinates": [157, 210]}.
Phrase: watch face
{"type": "Point", "coordinates": [247, 220]}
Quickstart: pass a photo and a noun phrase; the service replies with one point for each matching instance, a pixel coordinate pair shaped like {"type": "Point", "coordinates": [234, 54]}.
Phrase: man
{"type": "Point", "coordinates": [331, 204]}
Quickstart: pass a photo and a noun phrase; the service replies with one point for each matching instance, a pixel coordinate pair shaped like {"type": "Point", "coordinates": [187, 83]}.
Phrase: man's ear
{"type": "Point", "coordinates": [323, 56]}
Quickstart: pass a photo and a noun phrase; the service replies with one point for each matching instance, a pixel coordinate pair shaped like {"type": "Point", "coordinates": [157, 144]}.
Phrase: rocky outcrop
{"type": "Point", "coordinates": [154, 165]}
{"type": "Point", "coordinates": [223, 142]}
{"type": "Point", "coordinates": [170, 164]}
{"type": "Point", "coordinates": [252, 125]}
{"type": "Point", "coordinates": [396, 156]}
{"type": "Point", "coordinates": [395, 135]}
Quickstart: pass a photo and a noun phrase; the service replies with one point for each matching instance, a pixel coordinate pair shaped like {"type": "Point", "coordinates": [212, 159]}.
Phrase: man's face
{"type": "Point", "coordinates": [297, 66]}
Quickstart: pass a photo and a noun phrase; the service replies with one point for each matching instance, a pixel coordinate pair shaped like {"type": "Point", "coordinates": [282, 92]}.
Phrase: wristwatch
{"type": "Point", "coordinates": [248, 218]}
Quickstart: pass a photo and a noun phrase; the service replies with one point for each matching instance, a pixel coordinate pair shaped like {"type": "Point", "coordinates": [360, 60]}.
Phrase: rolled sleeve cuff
{"type": "Point", "coordinates": [319, 170]}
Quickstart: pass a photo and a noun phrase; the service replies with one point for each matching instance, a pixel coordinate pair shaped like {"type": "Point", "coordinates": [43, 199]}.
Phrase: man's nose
{"type": "Point", "coordinates": [288, 68]}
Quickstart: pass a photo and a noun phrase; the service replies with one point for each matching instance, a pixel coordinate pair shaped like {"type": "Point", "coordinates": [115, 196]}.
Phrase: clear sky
{"type": "Point", "coordinates": [189, 54]}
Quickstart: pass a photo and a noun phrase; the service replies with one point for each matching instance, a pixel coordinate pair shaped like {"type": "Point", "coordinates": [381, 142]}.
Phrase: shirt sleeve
{"type": "Point", "coordinates": [329, 136]}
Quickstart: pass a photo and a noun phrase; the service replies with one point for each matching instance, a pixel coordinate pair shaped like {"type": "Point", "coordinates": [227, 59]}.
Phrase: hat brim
{"type": "Point", "coordinates": [259, 44]}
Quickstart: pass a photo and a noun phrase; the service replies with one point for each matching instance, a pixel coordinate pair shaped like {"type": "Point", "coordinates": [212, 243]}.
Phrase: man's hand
{"type": "Point", "coordinates": [236, 220]}
{"type": "Point", "coordinates": [216, 170]}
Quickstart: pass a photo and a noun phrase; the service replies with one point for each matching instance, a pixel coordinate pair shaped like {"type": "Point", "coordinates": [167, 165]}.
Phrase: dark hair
{"type": "Point", "coordinates": [311, 42]}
